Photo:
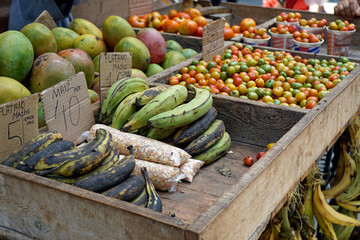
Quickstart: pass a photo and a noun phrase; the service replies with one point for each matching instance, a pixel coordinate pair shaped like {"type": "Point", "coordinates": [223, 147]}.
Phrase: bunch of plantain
{"type": "Point", "coordinates": [335, 208]}
{"type": "Point", "coordinates": [170, 115]}
{"type": "Point", "coordinates": [95, 166]}
{"type": "Point", "coordinates": [117, 93]}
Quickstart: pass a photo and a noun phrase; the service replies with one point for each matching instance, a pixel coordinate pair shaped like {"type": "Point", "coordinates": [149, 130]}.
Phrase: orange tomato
{"type": "Point", "coordinates": [246, 23]}
{"type": "Point", "coordinates": [172, 13]}
{"type": "Point", "coordinates": [188, 27]}
{"type": "Point", "coordinates": [227, 25]}
{"type": "Point", "coordinates": [200, 20]}
{"type": "Point", "coordinates": [228, 33]}
{"type": "Point", "coordinates": [170, 26]}
{"type": "Point", "coordinates": [183, 15]}
{"type": "Point", "coordinates": [236, 28]}
{"type": "Point", "coordinates": [135, 21]}
{"type": "Point", "coordinates": [193, 12]}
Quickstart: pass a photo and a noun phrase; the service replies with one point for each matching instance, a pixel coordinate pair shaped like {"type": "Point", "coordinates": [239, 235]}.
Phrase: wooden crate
{"type": "Point", "coordinates": [214, 206]}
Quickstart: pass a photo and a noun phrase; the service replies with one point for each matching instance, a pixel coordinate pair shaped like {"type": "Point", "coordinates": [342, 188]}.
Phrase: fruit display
{"type": "Point", "coordinates": [283, 29]}
{"type": "Point", "coordinates": [334, 203]}
{"type": "Point", "coordinates": [95, 166]}
{"type": "Point", "coordinates": [272, 77]}
{"type": "Point", "coordinates": [161, 113]}
{"type": "Point", "coordinates": [290, 17]}
{"type": "Point", "coordinates": [306, 37]}
{"type": "Point", "coordinates": [340, 25]}
{"type": "Point", "coordinates": [313, 23]}
{"type": "Point", "coordinates": [255, 33]}
{"type": "Point", "coordinates": [42, 58]}
{"type": "Point", "coordinates": [190, 23]}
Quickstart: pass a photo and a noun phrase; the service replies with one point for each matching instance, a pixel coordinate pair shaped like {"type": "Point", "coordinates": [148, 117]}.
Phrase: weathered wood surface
{"type": "Point", "coordinates": [46, 209]}
{"type": "Point", "coordinates": [192, 199]}
{"type": "Point", "coordinates": [244, 206]}
{"type": "Point", "coordinates": [96, 11]}
{"type": "Point", "coordinates": [261, 15]}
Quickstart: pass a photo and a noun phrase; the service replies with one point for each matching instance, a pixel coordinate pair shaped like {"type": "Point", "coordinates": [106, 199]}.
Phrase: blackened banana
{"type": "Point", "coordinates": [127, 190]}
{"type": "Point", "coordinates": [102, 180]}
{"type": "Point", "coordinates": [55, 147]}
{"type": "Point", "coordinates": [154, 201]}
{"type": "Point", "coordinates": [31, 147]}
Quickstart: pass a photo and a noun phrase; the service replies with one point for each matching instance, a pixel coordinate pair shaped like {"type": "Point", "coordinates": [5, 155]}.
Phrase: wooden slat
{"type": "Point", "coordinates": [289, 159]}
{"type": "Point", "coordinates": [96, 11]}
{"type": "Point", "coordinates": [51, 210]}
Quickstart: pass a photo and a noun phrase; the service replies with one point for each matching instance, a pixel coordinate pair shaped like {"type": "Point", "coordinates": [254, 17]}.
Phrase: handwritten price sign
{"type": "Point", "coordinates": [213, 39]}
{"type": "Point", "coordinates": [19, 123]}
{"type": "Point", "coordinates": [113, 67]}
{"type": "Point", "coordinates": [46, 19]}
{"type": "Point", "coordinates": [67, 107]}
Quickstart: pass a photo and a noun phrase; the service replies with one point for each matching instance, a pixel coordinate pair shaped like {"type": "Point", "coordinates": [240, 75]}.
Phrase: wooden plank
{"type": "Point", "coordinates": [295, 148]}
{"type": "Point", "coordinates": [96, 11]}
{"type": "Point", "coordinates": [39, 207]}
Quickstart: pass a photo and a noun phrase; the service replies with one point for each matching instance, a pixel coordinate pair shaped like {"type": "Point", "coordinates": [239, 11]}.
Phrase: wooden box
{"type": "Point", "coordinates": [226, 199]}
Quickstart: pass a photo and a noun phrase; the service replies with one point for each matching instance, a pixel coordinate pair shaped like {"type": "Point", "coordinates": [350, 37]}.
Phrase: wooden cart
{"type": "Point", "coordinates": [226, 199]}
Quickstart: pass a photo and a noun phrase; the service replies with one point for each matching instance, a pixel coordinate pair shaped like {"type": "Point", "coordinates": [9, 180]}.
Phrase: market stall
{"type": "Point", "coordinates": [127, 105]}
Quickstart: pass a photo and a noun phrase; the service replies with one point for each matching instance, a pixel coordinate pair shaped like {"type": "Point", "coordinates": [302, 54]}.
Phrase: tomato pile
{"type": "Point", "coordinates": [265, 76]}
{"type": "Point", "coordinates": [256, 33]}
{"type": "Point", "coordinates": [313, 23]}
{"type": "Point", "coordinates": [341, 25]}
{"type": "Point", "coordinates": [291, 17]}
{"type": "Point", "coordinates": [305, 37]}
{"type": "Point", "coordinates": [190, 22]}
{"type": "Point", "coordinates": [283, 29]}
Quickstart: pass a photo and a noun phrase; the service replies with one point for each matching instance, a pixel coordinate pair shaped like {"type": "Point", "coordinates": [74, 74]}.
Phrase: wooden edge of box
{"type": "Point", "coordinates": [287, 160]}
{"type": "Point", "coordinates": [89, 200]}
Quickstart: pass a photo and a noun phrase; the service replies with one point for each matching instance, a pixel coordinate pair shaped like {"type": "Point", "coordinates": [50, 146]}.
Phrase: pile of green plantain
{"type": "Point", "coordinates": [95, 166]}
{"type": "Point", "coordinates": [168, 114]}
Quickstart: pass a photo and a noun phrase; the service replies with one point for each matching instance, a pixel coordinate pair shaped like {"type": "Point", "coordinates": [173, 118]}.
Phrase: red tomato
{"type": "Point", "coordinates": [135, 21]}
{"type": "Point", "coordinates": [249, 161]}
{"type": "Point", "coordinates": [310, 105]}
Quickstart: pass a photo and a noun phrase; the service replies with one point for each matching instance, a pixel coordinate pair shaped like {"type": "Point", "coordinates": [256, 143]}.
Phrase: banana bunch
{"type": "Point", "coordinates": [117, 93]}
{"type": "Point", "coordinates": [25, 157]}
{"type": "Point", "coordinates": [163, 113]}
{"type": "Point", "coordinates": [334, 209]}
{"type": "Point", "coordinates": [95, 166]}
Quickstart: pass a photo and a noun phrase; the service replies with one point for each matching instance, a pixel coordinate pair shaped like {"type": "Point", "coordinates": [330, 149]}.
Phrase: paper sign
{"type": "Point", "coordinates": [18, 124]}
{"type": "Point", "coordinates": [213, 39]}
{"type": "Point", "coordinates": [67, 107]}
{"type": "Point", "coordinates": [46, 19]}
{"type": "Point", "coordinates": [113, 67]}
{"type": "Point", "coordinates": [140, 7]}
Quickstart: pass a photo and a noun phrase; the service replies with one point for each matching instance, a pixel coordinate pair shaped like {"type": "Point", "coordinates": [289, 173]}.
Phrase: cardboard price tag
{"type": "Point", "coordinates": [213, 39]}
{"type": "Point", "coordinates": [113, 67]}
{"type": "Point", "coordinates": [46, 19]}
{"type": "Point", "coordinates": [18, 123]}
{"type": "Point", "coordinates": [67, 107]}
{"type": "Point", "coordinates": [140, 7]}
